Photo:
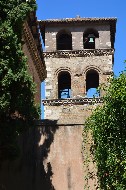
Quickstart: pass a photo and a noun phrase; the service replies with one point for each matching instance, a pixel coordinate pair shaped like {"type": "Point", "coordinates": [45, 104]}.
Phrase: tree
{"type": "Point", "coordinates": [108, 127]}
{"type": "Point", "coordinates": [17, 107]}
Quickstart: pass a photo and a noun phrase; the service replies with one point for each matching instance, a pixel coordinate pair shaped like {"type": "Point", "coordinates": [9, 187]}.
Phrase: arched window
{"type": "Point", "coordinates": [64, 41]}
{"type": "Point", "coordinates": [92, 83]}
{"type": "Point", "coordinates": [64, 85]}
{"type": "Point", "coordinates": [89, 38]}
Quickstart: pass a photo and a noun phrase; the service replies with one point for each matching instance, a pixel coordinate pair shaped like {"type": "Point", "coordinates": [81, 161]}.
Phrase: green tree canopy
{"type": "Point", "coordinates": [17, 107]}
{"type": "Point", "coordinates": [108, 127]}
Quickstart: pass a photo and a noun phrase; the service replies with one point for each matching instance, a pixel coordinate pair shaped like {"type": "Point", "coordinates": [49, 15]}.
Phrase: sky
{"type": "Point", "coordinates": [48, 9]}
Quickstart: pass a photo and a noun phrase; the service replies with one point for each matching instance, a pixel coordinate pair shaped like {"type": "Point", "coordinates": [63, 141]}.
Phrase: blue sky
{"type": "Point", "coordinates": [48, 9]}
{"type": "Point", "coordinates": [93, 8]}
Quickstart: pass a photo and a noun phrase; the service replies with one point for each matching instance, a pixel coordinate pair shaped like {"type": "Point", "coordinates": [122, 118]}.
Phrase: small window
{"type": "Point", "coordinates": [92, 83]}
{"type": "Point", "coordinates": [64, 85]}
{"type": "Point", "coordinates": [64, 41]}
{"type": "Point", "coordinates": [89, 38]}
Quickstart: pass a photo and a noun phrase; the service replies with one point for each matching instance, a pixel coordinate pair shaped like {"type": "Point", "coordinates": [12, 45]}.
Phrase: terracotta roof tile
{"type": "Point", "coordinates": [78, 19]}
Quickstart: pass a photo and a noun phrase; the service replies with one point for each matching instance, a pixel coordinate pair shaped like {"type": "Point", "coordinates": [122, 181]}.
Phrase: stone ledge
{"type": "Point", "coordinates": [78, 53]}
{"type": "Point", "coordinates": [71, 101]}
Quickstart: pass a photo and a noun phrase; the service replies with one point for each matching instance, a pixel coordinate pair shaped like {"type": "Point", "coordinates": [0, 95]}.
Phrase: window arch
{"type": "Point", "coordinates": [89, 38]}
{"type": "Point", "coordinates": [92, 82]}
{"type": "Point", "coordinates": [64, 84]}
{"type": "Point", "coordinates": [64, 40]}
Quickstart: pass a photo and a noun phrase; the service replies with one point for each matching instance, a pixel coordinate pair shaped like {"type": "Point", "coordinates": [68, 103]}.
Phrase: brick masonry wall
{"type": "Point", "coordinates": [77, 36]}
{"type": "Point", "coordinates": [77, 67]}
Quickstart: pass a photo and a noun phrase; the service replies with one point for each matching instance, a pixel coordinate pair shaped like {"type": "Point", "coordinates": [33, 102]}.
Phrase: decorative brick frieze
{"type": "Point", "coordinates": [78, 53]}
{"type": "Point", "coordinates": [71, 101]}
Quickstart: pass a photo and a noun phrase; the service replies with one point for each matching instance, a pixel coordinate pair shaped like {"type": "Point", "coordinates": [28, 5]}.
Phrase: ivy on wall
{"type": "Point", "coordinates": [17, 107]}
{"type": "Point", "coordinates": [107, 125]}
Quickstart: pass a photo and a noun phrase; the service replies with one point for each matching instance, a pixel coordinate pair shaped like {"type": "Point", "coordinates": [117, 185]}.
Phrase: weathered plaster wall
{"type": "Point", "coordinates": [65, 154]}
{"type": "Point", "coordinates": [66, 159]}
{"type": "Point", "coordinates": [51, 157]}
{"type": "Point", "coordinates": [28, 171]}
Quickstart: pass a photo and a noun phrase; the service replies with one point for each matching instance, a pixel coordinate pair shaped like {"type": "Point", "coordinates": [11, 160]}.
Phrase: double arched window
{"type": "Point", "coordinates": [64, 40]}
{"type": "Point", "coordinates": [64, 84]}
{"type": "Point", "coordinates": [89, 37]}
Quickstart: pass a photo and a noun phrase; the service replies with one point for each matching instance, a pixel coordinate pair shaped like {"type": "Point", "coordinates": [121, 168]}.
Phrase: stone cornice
{"type": "Point", "coordinates": [71, 101]}
{"type": "Point", "coordinates": [78, 53]}
{"type": "Point", "coordinates": [30, 42]}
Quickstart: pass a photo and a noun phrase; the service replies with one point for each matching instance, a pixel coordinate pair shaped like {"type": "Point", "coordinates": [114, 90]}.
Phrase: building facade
{"type": "Point", "coordinates": [79, 56]}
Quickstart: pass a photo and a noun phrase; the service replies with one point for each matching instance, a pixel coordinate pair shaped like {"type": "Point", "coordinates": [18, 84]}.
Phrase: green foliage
{"type": "Point", "coordinates": [108, 126]}
{"type": "Point", "coordinates": [17, 107]}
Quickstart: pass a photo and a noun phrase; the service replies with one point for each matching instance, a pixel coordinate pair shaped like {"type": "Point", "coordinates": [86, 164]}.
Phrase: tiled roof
{"type": "Point", "coordinates": [78, 19]}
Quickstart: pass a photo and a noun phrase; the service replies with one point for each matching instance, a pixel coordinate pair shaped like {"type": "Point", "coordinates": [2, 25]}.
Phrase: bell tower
{"type": "Point", "coordinates": [79, 56]}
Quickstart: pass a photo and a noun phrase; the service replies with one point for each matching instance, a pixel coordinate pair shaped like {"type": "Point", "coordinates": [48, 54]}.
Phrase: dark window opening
{"type": "Point", "coordinates": [64, 85]}
{"type": "Point", "coordinates": [89, 38]}
{"type": "Point", "coordinates": [64, 41]}
{"type": "Point", "coordinates": [92, 83]}
{"type": "Point", "coordinates": [89, 42]}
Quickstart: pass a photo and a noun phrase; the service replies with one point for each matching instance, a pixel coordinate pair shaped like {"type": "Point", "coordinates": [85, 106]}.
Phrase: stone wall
{"type": "Point", "coordinates": [77, 36]}
{"type": "Point", "coordinates": [77, 67]}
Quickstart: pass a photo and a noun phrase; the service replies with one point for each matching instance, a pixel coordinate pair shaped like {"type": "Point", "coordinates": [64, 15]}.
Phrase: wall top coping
{"type": "Point", "coordinates": [71, 101]}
